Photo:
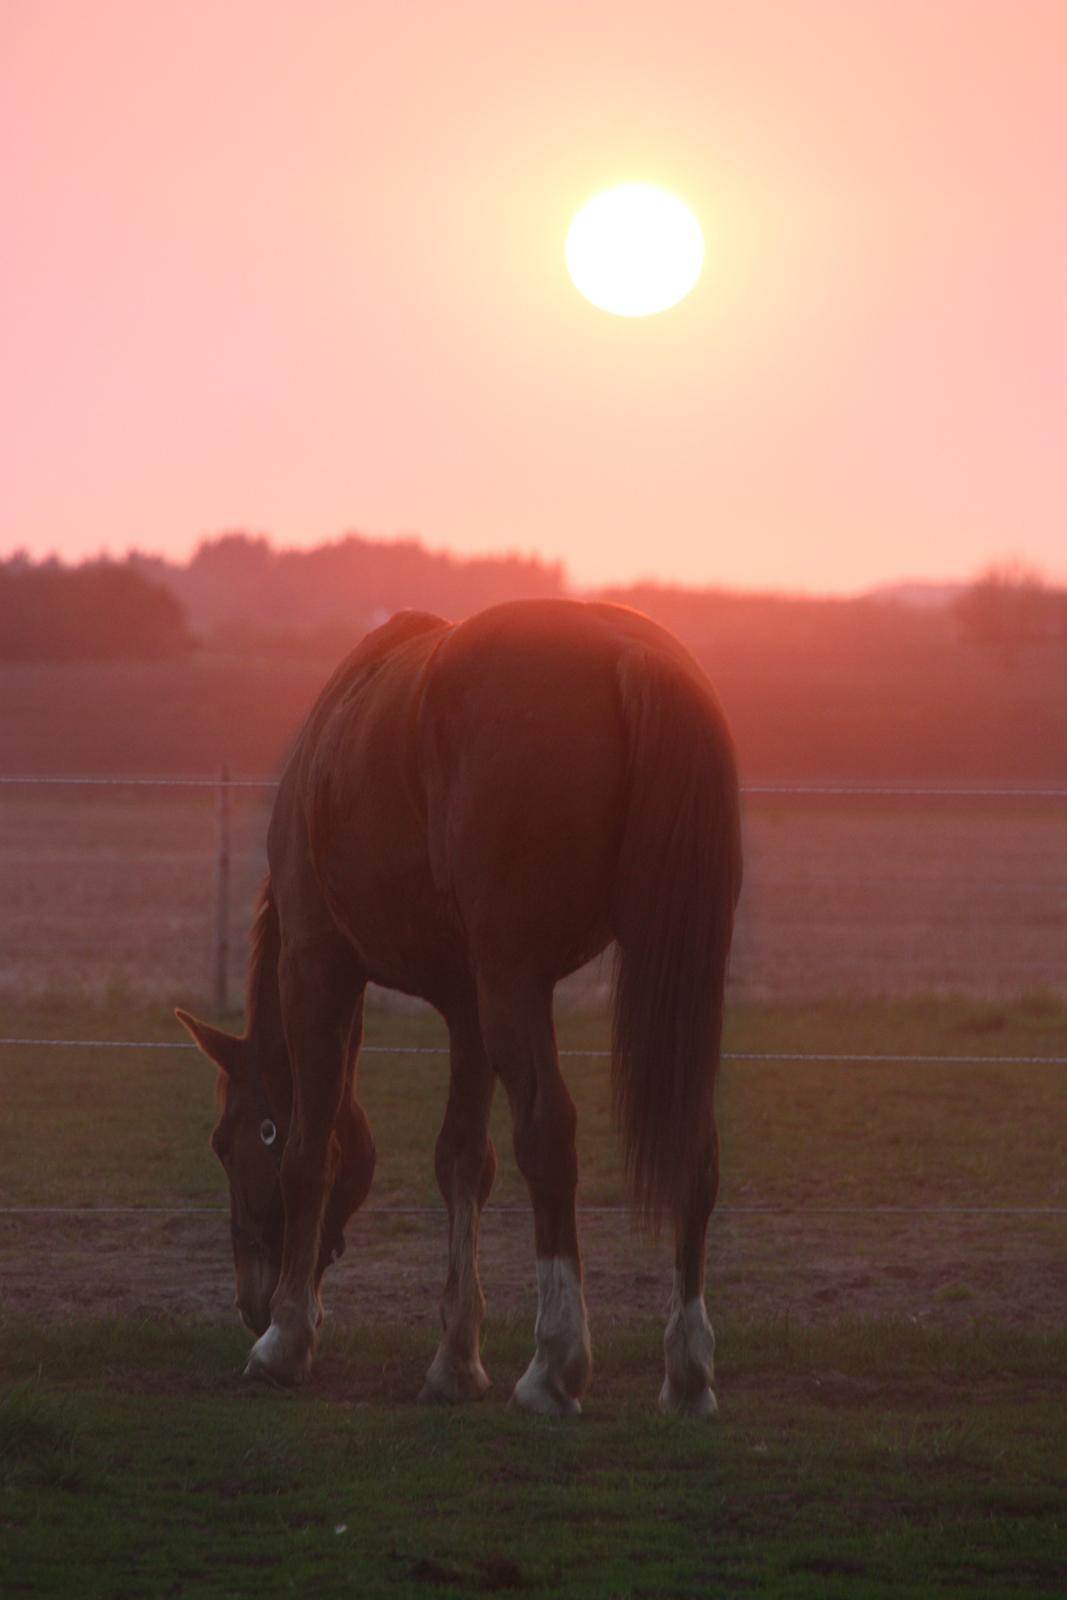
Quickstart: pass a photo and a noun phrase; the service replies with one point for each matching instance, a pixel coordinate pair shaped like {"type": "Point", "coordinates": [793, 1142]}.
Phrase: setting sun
{"type": "Point", "coordinates": [634, 250]}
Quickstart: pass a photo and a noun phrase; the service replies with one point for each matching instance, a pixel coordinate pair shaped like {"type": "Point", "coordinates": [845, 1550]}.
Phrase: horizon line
{"type": "Point", "coordinates": [574, 586]}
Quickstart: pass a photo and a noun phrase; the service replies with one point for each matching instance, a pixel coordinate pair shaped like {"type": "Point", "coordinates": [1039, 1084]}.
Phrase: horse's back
{"type": "Point", "coordinates": [458, 797]}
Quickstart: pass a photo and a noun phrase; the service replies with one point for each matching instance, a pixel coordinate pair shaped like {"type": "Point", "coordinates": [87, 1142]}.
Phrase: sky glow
{"type": "Point", "coordinates": [302, 272]}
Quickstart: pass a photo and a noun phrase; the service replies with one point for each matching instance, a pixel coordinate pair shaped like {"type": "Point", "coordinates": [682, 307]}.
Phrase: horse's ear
{"type": "Point", "coordinates": [223, 1048]}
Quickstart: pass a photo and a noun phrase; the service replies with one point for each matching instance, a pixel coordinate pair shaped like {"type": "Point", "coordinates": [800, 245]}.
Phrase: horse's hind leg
{"type": "Point", "coordinates": [689, 1344]}
{"type": "Point", "coordinates": [521, 1045]}
{"type": "Point", "coordinates": [466, 1165]}
{"type": "Point", "coordinates": [319, 991]}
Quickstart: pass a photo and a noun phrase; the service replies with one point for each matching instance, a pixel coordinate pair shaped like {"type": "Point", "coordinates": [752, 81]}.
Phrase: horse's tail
{"type": "Point", "coordinates": [679, 875]}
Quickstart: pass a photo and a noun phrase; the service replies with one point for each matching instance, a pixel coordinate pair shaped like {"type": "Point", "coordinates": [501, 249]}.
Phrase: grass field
{"type": "Point", "coordinates": [869, 1462]}
{"type": "Point", "coordinates": [891, 1384]}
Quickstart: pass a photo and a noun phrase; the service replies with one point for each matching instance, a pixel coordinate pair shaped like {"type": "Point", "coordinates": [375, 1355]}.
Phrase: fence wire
{"type": "Point", "coordinates": [592, 1210]}
{"type": "Point", "coordinates": [826, 789]}
{"type": "Point", "coordinates": [602, 1055]}
{"type": "Point", "coordinates": [582, 1211]}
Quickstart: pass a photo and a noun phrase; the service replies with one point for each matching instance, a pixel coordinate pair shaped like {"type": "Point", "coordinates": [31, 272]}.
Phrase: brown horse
{"type": "Point", "coordinates": [470, 813]}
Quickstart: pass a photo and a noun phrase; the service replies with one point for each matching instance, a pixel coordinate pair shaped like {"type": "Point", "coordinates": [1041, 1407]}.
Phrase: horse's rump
{"type": "Point", "coordinates": [522, 756]}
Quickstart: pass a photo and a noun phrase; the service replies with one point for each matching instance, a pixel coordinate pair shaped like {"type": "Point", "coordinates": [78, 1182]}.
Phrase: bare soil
{"type": "Point", "coordinates": [937, 1268]}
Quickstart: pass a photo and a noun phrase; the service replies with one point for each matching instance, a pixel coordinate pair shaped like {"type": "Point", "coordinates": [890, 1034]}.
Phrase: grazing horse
{"type": "Point", "coordinates": [471, 812]}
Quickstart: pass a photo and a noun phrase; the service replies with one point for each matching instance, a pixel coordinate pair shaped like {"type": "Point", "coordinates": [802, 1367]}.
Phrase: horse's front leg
{"type": "Point", "coordinates": [465, 1162]}
{"type": "Point", "coordinates": [317, 998]}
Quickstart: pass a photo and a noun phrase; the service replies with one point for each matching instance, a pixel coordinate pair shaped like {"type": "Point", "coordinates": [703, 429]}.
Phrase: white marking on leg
{"type": "Point", "coordinates": [285, 1352]}
{"type": "Point", "coordinates": [689, 1347]}
{"type": "Point", "coordinates": [456, 1372]}
{"type": "Point", "coordinates": [268, 1357]}
{"type": "Point", "coordinates": [556, 1377]}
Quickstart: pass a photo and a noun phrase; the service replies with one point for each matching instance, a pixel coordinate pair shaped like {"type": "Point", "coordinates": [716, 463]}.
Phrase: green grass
{"type": "Point", "coordinates": [852, 1461]}
{"type": "Point", "coordinates": [814, 1133]}
{"type": "Point", "coordinates": [860, 1462]}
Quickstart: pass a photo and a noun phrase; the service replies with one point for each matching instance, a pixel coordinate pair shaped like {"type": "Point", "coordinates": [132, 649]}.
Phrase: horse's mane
{"type": "Point", "coordinates": [264, 947]}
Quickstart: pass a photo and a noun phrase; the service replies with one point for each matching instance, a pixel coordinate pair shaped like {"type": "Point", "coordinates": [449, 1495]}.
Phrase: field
{"type": "Point", "coordinates": [891, 1381]}
{"type": "Point", "coordinates": [867, 896]}
{"type": "Point", "coordinates": [813, 689]}
{"type": "Point", "coordinates": [887, 1268]}
{"type": "Point", "coordinates": [851, 1463]}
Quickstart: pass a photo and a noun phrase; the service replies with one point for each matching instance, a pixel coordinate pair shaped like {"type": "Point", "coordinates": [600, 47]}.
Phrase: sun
{"type": "Point", "coordinates": [634, 250]}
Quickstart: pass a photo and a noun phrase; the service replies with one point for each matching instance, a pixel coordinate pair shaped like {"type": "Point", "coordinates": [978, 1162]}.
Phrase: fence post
{"type": "Point", "coordinates": [222, 896]}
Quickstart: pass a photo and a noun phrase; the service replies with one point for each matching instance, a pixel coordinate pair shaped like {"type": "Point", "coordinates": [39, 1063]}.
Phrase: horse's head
{"type": "Point", "coordinates": [248, 1139]}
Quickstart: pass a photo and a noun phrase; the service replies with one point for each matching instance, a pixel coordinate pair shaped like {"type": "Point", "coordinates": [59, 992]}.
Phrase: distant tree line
{"type": "Point", "coordinates": [240, 595]}
{"type": "Point", "coordinates": [100, 611]}
{"type": "Point", "coordinates": [871, 687]}
{"type": "Point", "coordinates": [238, 588]}
{"type": "Point", "coordinates": [1010, 609]}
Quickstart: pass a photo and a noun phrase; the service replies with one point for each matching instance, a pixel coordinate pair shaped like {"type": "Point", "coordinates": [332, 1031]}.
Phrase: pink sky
{"type": "Point", "coordinates": [299, 269]}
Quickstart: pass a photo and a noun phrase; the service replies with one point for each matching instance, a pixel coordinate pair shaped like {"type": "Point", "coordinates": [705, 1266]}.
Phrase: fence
{"type": "Point", "coordinates": [931, 927]}
{"type": "Point", "coordinates": [224, 785]}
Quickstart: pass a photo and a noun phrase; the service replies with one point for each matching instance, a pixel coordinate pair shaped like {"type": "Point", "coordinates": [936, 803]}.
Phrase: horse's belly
{"type": "Point", "coordinates": [389, 907]}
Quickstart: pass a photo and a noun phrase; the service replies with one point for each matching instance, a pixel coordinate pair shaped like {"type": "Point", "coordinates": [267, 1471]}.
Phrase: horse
{"type": "Point", "coordinates": [471, 812]}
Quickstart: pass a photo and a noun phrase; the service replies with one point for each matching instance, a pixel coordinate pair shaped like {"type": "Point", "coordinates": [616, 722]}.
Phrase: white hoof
{"type": "Point", "coordinates": [559, 1371]}
{"type": "Point", "coordinates": [689, 1346]}
{"type": "Point", "coordinates": [537, 1393]}
{"type": "Point", "coordinates": [276, 1359]}
{"type": "Point", "coordinates": [451, 1382]}
{"type": "Point", "coordinates": [702, 1404]}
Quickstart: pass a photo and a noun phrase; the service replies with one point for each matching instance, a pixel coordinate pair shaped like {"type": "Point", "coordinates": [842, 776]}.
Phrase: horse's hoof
{"type": "Point", "coordinates": [272, 1359]}
{"type": "Point", "coordinates": [536, 1394]}
{"type": "Point", "coordinates": [450, 1384]}
{"type": "Point", "coordinates": [673, 1402]}
{"type": "Point", "coordinates": [435, 1393]}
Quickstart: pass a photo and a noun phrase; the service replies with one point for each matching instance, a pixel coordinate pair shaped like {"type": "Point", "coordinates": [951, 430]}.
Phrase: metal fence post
{"type": "Point", "coordinates": [222, 896]}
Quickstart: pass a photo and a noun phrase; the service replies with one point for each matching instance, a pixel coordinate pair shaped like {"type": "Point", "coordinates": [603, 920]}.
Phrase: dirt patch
{"type": "Point", "coordinates": [940, 1268]}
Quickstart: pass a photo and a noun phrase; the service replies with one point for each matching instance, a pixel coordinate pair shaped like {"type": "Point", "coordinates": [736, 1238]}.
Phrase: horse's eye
{"type": "Point", "coordinates": [267, 1131]}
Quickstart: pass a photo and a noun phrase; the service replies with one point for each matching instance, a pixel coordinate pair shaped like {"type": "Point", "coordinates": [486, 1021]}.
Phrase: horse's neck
{"type": "Point", "coordinates": [263, 1003]}
{"type": "Point", "coordinates": [272, 1059]}
{"type": "Point", "coordinates": [269, 1048]}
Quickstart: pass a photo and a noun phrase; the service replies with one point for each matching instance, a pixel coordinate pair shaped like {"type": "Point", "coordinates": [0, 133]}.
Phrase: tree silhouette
{"type": "Point", "coordinates": [101, 611]}
{"type": "Point", "coordinates": [1011, 608]}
